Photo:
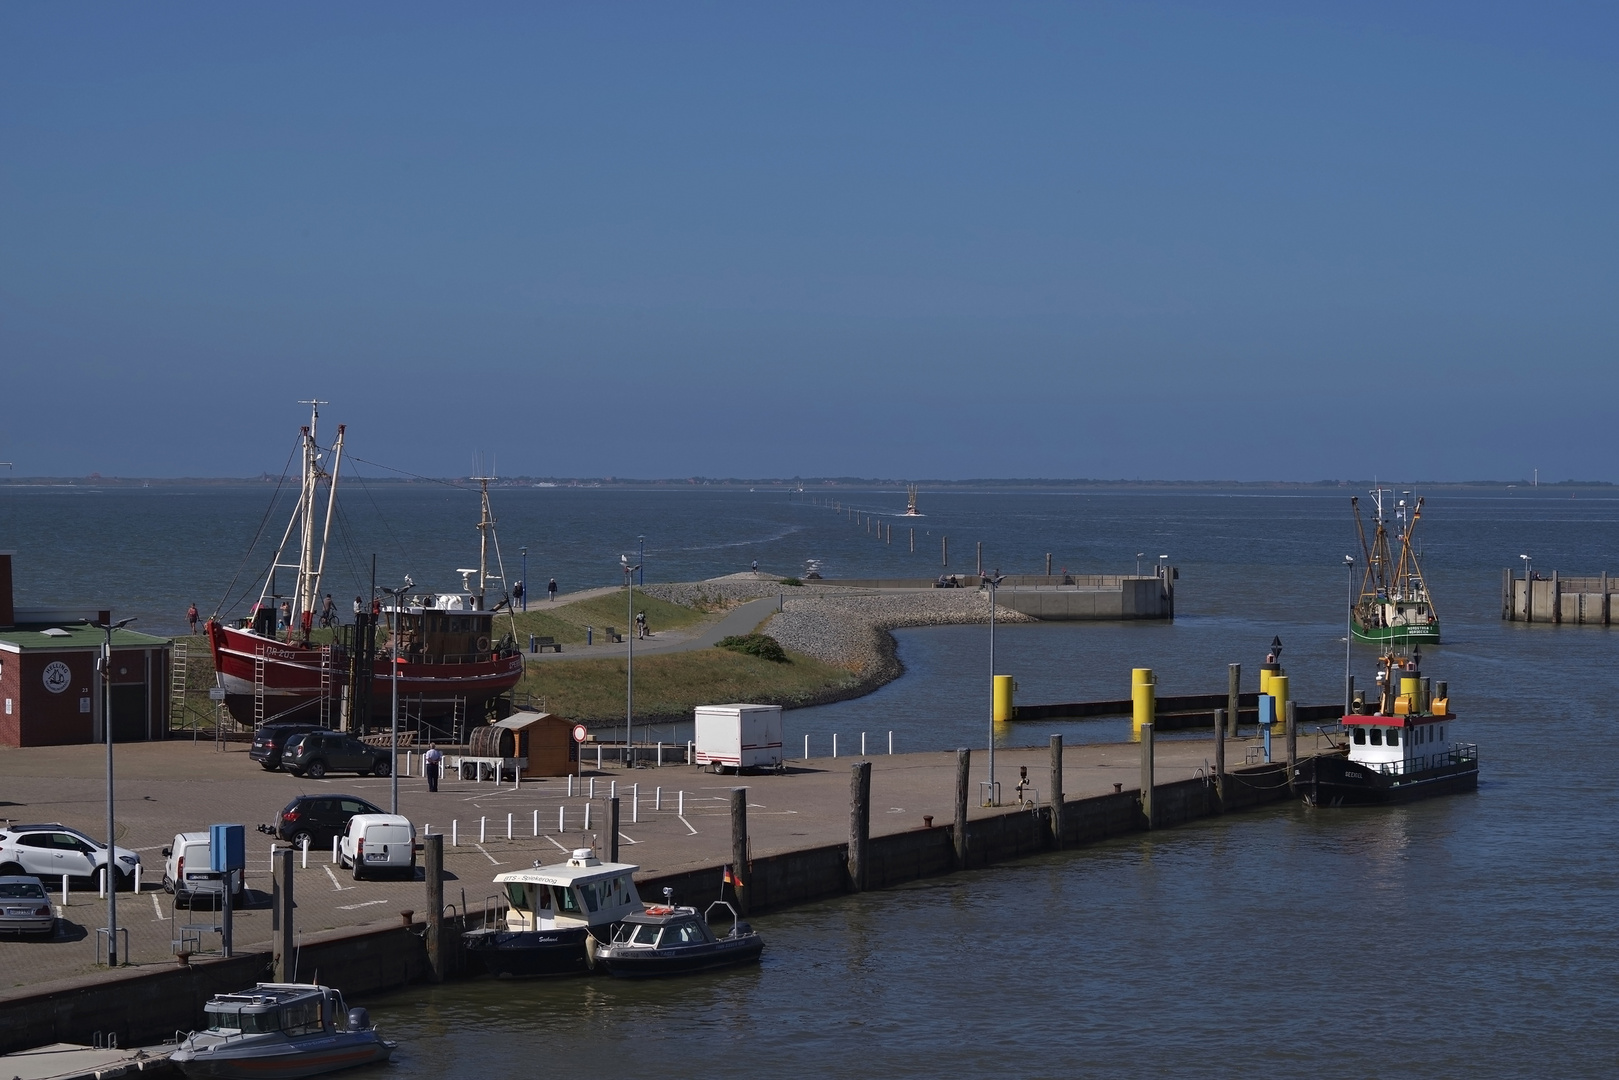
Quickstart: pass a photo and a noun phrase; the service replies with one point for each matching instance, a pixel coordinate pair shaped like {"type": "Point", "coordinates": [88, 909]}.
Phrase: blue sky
{"type": "Point", "coordinates": [1202, 241]}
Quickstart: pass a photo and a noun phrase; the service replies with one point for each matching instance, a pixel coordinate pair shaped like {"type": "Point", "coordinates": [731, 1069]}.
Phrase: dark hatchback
{"type": "Point", "coordinates": [319, 817]}
{"type": "Point", "coordinates": [316, 753]}
{"type": "Point", "coordinates": [271, 740]}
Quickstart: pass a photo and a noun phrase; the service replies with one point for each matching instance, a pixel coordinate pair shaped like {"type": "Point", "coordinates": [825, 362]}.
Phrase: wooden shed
{"type": "Point", "coordinates": [544, 741]}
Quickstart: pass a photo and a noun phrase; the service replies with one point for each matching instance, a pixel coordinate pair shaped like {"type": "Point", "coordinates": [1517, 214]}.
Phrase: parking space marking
{"type": "Point", "coordinates": [559, 847]}
{"type": "Point", "coordinates": [627, 840]}
{"type": "Point", "coordinates": [361, 904]}
{"type": "Point", "coordinates": [686, 823]}
{"type": "Point", "coordinates": [333, 876]}
{"type": "Point", "coordinates": [488, 856]}
{"type": "Point", "coordinates": [157, 909]}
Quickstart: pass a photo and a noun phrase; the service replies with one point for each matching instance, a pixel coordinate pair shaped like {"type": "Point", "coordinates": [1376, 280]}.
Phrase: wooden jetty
{"type": "Point", "coordinates": [1557, 599]}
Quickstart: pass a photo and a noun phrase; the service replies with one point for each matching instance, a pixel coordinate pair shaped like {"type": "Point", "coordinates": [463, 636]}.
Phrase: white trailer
{"type": "Point", "coordinates": [739, 737]}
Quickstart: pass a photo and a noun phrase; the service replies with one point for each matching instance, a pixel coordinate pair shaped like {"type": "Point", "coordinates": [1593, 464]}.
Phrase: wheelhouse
{"type": "Point", "coordinates": [271, 1008]}
{"type": "Point", "coordinates": [584, 891]}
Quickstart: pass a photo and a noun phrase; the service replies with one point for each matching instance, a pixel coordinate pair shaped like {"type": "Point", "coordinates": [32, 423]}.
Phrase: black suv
{"type": "Point", "coordinates": [271, 739]}
{"type": "Point", "coordinates": [320, 818]}
{"type": "Point", "coordinates": [317, 753]}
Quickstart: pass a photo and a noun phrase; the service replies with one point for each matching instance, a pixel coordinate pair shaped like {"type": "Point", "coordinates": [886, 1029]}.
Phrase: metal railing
{"type": "Point", "coordinates": [1458, 754]}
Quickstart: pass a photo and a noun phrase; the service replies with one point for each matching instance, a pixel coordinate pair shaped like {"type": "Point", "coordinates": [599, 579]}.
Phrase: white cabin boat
{"type": "Point", "coordinates": [555, 917]}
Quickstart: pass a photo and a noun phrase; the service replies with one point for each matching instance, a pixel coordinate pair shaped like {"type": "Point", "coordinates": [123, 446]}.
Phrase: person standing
{"type": "Point", "coordinates": [286, 615]}
{"type": "Point", "coordinates": [357, 609]}
{"type": "Point", "coordinates": [191, 617]}
{"type": "Point", "coordinates": [430, 765]}
{"type": "Point", "coordinates": [551, 589]}
{"type": "Point", "coordinates": [640, 624]}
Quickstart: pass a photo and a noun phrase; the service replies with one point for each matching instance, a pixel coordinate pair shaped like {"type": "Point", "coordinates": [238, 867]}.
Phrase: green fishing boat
{"type": "Point", "coordinates": [1394, 606]}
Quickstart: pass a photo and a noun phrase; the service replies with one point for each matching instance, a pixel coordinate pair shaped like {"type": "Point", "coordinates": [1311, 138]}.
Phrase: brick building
{"type": "Point", "coordinates": [51, 689]}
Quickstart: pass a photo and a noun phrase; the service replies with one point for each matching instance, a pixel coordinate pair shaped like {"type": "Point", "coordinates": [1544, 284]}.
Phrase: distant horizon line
{"type": "Point", "coordinates": [818, 482]}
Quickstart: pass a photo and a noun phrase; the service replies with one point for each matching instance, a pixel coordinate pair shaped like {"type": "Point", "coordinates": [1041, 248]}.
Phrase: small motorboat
{"type": "Point", "coordinates": [665, 939]}
{"type": "Point", "coordinates": [554, 917]}
{"type": "Point", "coordinates": [280, 1030]}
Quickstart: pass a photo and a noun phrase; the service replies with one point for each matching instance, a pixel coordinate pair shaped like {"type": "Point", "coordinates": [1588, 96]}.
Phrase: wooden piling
{"type": "Point", "coordinates": [1507, 614]}
{"type": "Point", "coordinates": [980, 558]}
{"type": "Point", "coordinates": [612, 829]}
{"type": "Point", "coordinates": [944, 551]}
{"type": "Point", "coordinates": [1232, 686]}
{"type": "Point", "coordinates": [859, 822]}
{"type": "Point", "coordinates": [1606, 606]}
{"type": "Point", "coordinates": [1056, 790]}
{"type": "Point", "coordinates": [1048, 564]}
{"type": "Point", "coordinates": [963, 761]}
{"type": "Point", "coordinates": [1557, 600]}
{"type": "Point", "coordinates": [283, 947]}
{"type": "Point", "coordinates": [1292, 737]}
{"type": "Point", "coordinates": [1219, 757]}
{"type": "Point", "coordinates": [433, 853]}
{"type": "Point", "coordinates": [739, 848]}
{"type": "Point", "coordinates": [913, 539]}
{"type": "Point", "coordinates": [1146, 773]}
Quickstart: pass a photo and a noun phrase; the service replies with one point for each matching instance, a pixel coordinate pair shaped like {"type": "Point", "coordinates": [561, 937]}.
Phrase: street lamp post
{"type": "Point", "coordinates": [1139, 556]}
{"type": "Point", "coordinates": [629, 667]}
{"type": "Point", "coordinates": [393, 726]}
{"type": "Point", "coordinates": [1349, 612]}
{"type": "Point", "coordinates": [993, 581]}
{"type": "Point", "coordinates": [525, 577]}
{"type": "Point", "coordinates": [112, 840]}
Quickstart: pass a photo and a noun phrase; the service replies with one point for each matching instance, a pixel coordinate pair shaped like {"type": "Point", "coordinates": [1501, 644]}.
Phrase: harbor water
{"type": "Point", "coordinates": [1470, 934]}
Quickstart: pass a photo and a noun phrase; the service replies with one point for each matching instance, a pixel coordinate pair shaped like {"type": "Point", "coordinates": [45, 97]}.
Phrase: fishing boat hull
{"type": "Point", "coordinates": [634, 963]}
{"type": "Point", "coordinates": [249, 1061]}
{"type": "Point", "coordinates": [531, 954]}
{"type": "Point", "coordinates": [1334, 780]}
{"type": "Point", "coordinates": [295, 678]}
{"type": "Point", "coordinates": [1419, 634]}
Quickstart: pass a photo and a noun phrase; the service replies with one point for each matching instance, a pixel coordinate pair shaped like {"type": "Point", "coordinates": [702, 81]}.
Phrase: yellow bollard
{"type": "Point", "coordinates": [1143, 699]}
{"type": "Point", "coordinates": [1411, 690]}
{"type": "Point", "coordinates": [1278, 690]}
{"type": "Point", "coordinates": [1264, 680]}
{"type": "Point", "coordinates": [1004, 709]}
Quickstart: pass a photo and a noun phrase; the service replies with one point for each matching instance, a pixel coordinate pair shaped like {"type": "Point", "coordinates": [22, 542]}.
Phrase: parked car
{"type": "Point", "coordinates": [25, 907]}
{"type": "Point", "coordinates": [187, 873]}
{"type": "Point", "coordinates": [317, 753]}
{"type": "Point", "coordinates": [49, 851]}
{"type": "Point", "coordinates": [320, 818]}
{"type": "Point", "coordinates": [271, 739]}
{"type": "Point", "coordinates": [374, 843]}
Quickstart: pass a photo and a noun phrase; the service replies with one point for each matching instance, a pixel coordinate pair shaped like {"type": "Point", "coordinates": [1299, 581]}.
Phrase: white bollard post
{"type": "Point", "coordinates": [592, 793]}
{"type": "Point", "coordinates": [410, 759]}
{"type": "Point", "coordinates": [688, 752]}
{"type": "Point", "coordinates": [508, 826]}
{"type": "Point", "coordinates": [454, 825]}
{"type": "Point", "coordinates": [562, 819]}
{"type": "Point", "coordinates": [598, 757]}
{"type": "Point", "coordinates": [890, 744]}
{"type": "Point", "coordinates": [834, 744]}
{"type": "Point", "coordinates": [587, 816]}
{"type": "Point", "coordinates": [517, 779]}
{"type": "Point", "coordinates": [806, 748]}
{"type": "Point", "coordinates": [660, 755]}
{"type": "Point", "coordinates": [137, 878]}
{"type": "Point", "coordinates": [334, 851]}
{"type": "Point", "coordinates": [64, 890]}
{"type": "Point", "coordinates": [498, 776]}
{"type": "Point", "coordinates": [657, 799]}
{"type": "Point", "coordinates": [481, 823]}
{"type": "Point", "coordinates": [102, 887]}
{"type": "Point", "coordinates": [536, 823]}
{"type": "Point", "coordinates": [635, 803]}
{"type": "Point", "coordinates": [682, 811]}
{"type": "Point", "coordinates": [570, 785]}
{"type": "Point", "coordinates": [862, 744]}
{"type": "Point", "coordinates": [612, 789]}
{"type": "Point", "coordinates": [305, 856]}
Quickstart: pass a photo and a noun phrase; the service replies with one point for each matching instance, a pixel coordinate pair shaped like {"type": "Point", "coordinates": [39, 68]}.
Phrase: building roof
{"type": "Point", "coordinates": [72, 635]}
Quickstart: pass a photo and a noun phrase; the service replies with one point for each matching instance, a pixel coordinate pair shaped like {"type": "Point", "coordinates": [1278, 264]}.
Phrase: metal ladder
{"type": "Point", "coordinates": [177, 682]}
{"type": "Point", "coordinates": [258, 687]}
{"type": "Point", "coordinates": [325, 686]}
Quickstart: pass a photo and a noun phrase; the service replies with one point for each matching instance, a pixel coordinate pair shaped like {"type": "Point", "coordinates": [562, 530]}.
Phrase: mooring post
{"type": "Point", "coordinates": [612, 829]}
{"type": "Point", "coordinates": [944, 551]}
{"type": "Point", "coordinates": [1292, 737]}
{"type": "Point", "coordinates": [859, 822]}
{"type": "Point", "coordinates": [1219, 757]}
{"type": "Point", "coordinates": [963, 760]}
{"type": "Point", "coordinates": [1146, 773]}
{"type": "Point", "coordinates": [1557, 600]}
{"type": "Point", "coordinates": [1056, 789]}
{"type": "Point", "coordinates": [281, 916]}
{"type": "Point", "coordinates": [433, 850]}
{"type": "Point", "coordinates": [1048, 564]}
{"type": "Point", "coordinates": [739, 848]}
{"type": "Point", "coordinates": [1233, 685]}
{"type": "Point", "coordinates": [1506, 594]}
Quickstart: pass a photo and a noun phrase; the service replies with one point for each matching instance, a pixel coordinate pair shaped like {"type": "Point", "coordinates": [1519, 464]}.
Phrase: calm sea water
{"type": "Point", "coordinates": [1475, 933]}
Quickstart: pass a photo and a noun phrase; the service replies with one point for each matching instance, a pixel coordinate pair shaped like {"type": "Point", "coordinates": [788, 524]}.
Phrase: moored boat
{"type": "Point", "coordinates": [1401, 752]}
{"type": "Point", "coordinates": [278, 1031]}
{"type": "Point", "coordinates": [1394, 607]}
{"type": "Point", "coordinates": [666, 939]}
{"type": "Point", "coordinates": [555, 917]}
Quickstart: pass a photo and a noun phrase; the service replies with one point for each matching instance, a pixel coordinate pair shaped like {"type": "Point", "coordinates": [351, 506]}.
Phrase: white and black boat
{"type": "Point", "coordinates": [667, 939]}
{"type": "Point", "coordinates": [1402, 751]}
{"type": "Point", "coordinates": [280, 1031]}
{"type": "Point", "coordinates": [555, 917]}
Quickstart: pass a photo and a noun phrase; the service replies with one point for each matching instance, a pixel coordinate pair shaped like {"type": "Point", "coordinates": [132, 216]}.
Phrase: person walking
{"type": "Point", "coordinates": [357, 608]}
{"type": "Point", "coordinates": [640, 624]}
{"type": "Point", "coordinates": [551, 589]}
{"type": "Point", "coordinates": [191, 617]}
{"type": "Point", "coordinates": [430, 765]}
{"type": "Point", "coordinates": [755, 566]}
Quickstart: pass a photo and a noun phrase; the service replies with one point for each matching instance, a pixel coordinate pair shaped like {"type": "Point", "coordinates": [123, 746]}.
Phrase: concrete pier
{"type": "Point", "coordinates": [1582, 601]}
{"type": "Point", "coordinates": [1062, 597]}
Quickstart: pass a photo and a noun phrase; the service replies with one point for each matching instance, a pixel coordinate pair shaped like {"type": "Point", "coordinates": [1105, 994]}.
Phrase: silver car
{"type": "Point", "coordinates": [25, 908]}
{"type": "Point", "coordinates": [55, 851]}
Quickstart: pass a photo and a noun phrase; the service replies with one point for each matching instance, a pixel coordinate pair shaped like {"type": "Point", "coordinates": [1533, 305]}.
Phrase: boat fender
{"type": "Point", "coordinates": [483, 644]}
{"type": "Point", "coordinates": [590, 951]}
{"type": "Point", "coordinates": [359, 1020]}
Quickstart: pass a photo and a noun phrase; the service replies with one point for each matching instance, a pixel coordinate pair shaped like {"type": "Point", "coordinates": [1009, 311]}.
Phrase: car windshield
{"type": "Point", "coordinates": [21, 890]}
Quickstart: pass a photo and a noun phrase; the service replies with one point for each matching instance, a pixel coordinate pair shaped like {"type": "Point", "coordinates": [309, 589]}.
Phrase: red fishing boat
{"type": "Point", "coordinates": [438, 651]}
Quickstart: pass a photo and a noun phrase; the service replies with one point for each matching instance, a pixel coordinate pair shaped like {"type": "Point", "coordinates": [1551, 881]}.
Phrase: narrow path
{"type": "Point", "coordinates": [743, 619]}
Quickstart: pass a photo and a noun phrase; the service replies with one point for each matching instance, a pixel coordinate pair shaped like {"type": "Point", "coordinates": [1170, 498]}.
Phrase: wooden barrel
{"type": "Point", "coordinates": [492, 742]}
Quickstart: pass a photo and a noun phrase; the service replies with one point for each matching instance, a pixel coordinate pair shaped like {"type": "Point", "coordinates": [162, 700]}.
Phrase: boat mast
{"type": "Point", "coordinates": [302, 514]}
{"type": "Point", "coordinates": [331, 503]}
{"type": "Point", "coordinates": [485, 523]}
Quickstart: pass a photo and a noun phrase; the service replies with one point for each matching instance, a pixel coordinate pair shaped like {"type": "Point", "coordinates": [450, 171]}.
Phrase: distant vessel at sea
{"type": "Point", "coordinates": [1394, 606]}
{"type": "Point", "coordinates": [910, 501]}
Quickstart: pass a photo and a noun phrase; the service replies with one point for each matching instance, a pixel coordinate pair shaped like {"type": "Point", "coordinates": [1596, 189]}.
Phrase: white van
{"type": "Point", "coordinates": [186, 871]}
{"type": "Point", "coordinates": [373, 843]}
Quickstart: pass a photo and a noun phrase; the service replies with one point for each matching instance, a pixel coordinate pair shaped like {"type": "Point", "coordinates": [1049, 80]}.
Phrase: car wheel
{"type": "Point", "coordinates": [302, 837]}
{"type": "Point", "coordinates": [11, 869]}
{"type": "Point", "coordinates": [380, 768]}
{"type": "Point", "coordinates": [316, 769]}
{"type": "Point", "coordinates": [268, 767]}
{"type": "Point", "coordinates": [358, 874]}
{"type": "Point", "coordinates": [716, 768]}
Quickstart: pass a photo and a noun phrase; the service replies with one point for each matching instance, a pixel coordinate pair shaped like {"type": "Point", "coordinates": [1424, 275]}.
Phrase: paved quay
{"type": "Point", "coordinates": [168, 787]}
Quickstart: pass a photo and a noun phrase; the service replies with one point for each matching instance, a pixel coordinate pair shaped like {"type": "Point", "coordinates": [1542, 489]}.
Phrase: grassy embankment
{"type": "Point", "coordinates": [666, 687]}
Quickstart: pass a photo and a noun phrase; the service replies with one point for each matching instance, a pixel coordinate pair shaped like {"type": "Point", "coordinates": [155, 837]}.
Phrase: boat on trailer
{"type": "Point", "coordinates": [668, 939]}
{"type": "Point", "coordinates": [555, 916]}
{"type": "Point", "coordinates": [280, 1031]}
{"type": "Point", "coordinates": [1402, 752]}
{"type": "Point", "coordinates": [446, 652]}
